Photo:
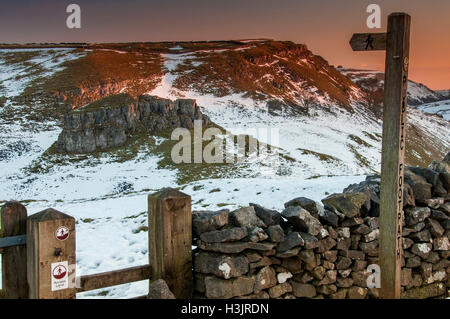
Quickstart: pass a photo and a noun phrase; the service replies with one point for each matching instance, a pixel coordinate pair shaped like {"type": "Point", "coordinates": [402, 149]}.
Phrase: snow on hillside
{"type": "Point", "coordinates": [322, 153]}
{"type": "Point", "coordinates": [441, 108]}
{"type": "Point", "coordinates": [324, 143]}
{"type": "Point", "coordinates": [373, 81]}
{"type": "Point", "coordinates": [419, 93]}
{"type": "Point", "coordinates": [16, 75]}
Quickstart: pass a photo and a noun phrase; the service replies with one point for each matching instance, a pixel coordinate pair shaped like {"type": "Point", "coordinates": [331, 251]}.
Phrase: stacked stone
{"type": "Point", "coordinates": [236, 253]}
{"type": "Point", "coordinates": [310, 250]}
{"type": "Point", "coordinates": [426, 246]}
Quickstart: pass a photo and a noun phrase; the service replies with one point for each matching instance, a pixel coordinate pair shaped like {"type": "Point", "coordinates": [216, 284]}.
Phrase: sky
{"type": "Point", "coordinates": [325, 26]}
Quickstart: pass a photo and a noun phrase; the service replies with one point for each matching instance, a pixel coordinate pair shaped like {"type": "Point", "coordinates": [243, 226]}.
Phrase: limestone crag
{"type": "Point", "coordinates": [100, 126]}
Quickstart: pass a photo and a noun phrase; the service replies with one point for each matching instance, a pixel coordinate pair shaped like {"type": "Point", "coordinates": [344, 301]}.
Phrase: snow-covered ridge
{"type": "Point", "coordinates": [373, 82]}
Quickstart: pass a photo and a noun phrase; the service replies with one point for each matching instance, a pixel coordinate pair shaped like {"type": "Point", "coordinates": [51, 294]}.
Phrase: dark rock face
{"type": "Point", "coordinates": [275, 233]}
{"type": "Point", "coordinates": [348, 204]}
{"type": "Point", "coordinates": [224, 235]}
{"type": "Point", "coordinates": [306, 203]}
{"type": "Point", "coordinates": [88, 130]}
{"type": "Point", "coordinates": [221, 266]}
{"type": "Point", "coordinates": [268, 216]}
{"type": "Point", "coordinates": [302, 220]}
{"type": "Point", "coordinates": [246, 217]}
{"type": "Point", "coordinates": [206, 221]}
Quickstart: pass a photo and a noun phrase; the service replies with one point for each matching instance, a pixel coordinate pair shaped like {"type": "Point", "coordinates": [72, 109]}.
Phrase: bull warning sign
{"type": "Point", "coordinates": [60, 276]}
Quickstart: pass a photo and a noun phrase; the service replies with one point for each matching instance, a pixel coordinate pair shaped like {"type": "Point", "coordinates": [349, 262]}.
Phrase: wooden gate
{"type": "Point", "coordinates": [39, 253]}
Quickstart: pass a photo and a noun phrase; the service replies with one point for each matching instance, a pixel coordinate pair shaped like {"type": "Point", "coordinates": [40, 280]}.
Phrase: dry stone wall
{"type": "Point", "coordinates": [323, 250]}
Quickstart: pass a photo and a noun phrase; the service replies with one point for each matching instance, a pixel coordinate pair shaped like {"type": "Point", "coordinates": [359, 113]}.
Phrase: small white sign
{"type": "Point", "coordinates": [60, 275]}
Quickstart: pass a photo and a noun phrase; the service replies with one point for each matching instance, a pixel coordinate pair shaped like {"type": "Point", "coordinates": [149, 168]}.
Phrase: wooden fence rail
{"type": "Point", "coordinates": [113, 278]}
{"type": "Point", "coordinates": [44, 267]}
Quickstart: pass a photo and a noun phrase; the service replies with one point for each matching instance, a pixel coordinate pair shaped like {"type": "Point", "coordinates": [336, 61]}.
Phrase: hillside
{"type": "Point", "coordinates": [327, 122]}
{"type": "Point", "coordinates": [372, 83]}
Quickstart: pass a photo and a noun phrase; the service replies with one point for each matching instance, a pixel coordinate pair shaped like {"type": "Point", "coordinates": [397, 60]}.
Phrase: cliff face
{"type": "Point", "coordinates": [103, 125]}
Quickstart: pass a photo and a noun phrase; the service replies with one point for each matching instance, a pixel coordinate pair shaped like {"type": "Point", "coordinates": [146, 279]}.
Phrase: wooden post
{"type": "Point", "coordinates": [13, 221]}
{"type": "Point", "coordinates": [170, 240]}
{"type": "Point", "coordinates": [51, 255]}
{"type": "Point", "coordinates": [393, 156]}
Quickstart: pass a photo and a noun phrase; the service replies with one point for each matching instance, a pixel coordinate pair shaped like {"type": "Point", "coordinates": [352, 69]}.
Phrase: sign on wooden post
{"type": "Point", "coordinates": [170, 240]}
{"type": "Point", "coordinates": [396, 44]}
{"type": "Point", "coordinates": [51, 255]}
{"type": "Point", "coordinates": [13, 222]}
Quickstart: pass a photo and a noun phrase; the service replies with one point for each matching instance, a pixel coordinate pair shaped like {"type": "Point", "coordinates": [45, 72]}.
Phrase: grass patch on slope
{"type": "Point", "coordinates": [359, 141]}
{"type": "Point", "coordinates": [102, 68]}
{"type": "Point", "coordinates": [109, 102]}
{"type": "Point", "coordinates": [322, 157]}
{"type": "Point", "coordinates": [362, 161]}
{"type": "Point", "coordinates": [138, 148]}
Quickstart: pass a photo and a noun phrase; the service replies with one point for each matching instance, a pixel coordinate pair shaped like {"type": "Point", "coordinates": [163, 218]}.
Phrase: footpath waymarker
{"type": "Point", "coordinates": [51, 255]}
{"type": "Point", "coordinates": [60, 276]}
{"type": "Point", "coordinates": [396, 43]}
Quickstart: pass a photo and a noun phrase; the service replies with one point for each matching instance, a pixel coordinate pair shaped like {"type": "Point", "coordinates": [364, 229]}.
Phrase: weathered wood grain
{"type": "Point", "coordinates": [113, 278]}
{"type": "Point", "coordinates": [41, 253]}
{"type": "Point", "coordinates": [393, 153]}
{"type": "Point", "coordinates": [13, 218]}
{"type": "Point", "coordinates": [368, 41]}
{"type": "Point", "coordinates": [170, 240]}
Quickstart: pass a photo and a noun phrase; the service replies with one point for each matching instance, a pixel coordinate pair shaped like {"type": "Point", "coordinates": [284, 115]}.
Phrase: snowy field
{"type": "Point", "coordinates": [441, 108]}
{"type": "Point", "coordinates": [112, 218]}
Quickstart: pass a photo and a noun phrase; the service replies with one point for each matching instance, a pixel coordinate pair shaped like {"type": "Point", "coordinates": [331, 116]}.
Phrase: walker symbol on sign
{"type": "Point", "coordinates": [369, 42]}
{"type": "Point", "coordinates": [62, 233]}
{"type": "Point", "coordinates": [59, 272]}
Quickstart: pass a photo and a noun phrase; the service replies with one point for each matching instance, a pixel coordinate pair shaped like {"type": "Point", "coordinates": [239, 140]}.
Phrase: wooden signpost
{"type": "Point", "coordinates": [51, 255]}
{"type": "Point", "coordinates": [396, 44]}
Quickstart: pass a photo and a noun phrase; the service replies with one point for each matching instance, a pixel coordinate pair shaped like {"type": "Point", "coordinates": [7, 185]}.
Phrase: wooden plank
{"type": "Point", "coordinates": [170, 240]}
{"type": "Point", "coordinates": [44, 249]}
{"type": "Point", "coordinates": [393, 156]}
{"type": "Point", "coordinates": [113, 278]}
{"type": "Point", "coordinates": [13, 220]}
{"type": "Point", "coordinates": [368, 41]}
{"type": "Point", "coordinates": [11, 241]}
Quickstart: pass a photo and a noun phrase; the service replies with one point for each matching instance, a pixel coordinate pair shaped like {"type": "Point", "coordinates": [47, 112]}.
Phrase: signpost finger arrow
{"type": "Point", "coordinates": [368, 41]}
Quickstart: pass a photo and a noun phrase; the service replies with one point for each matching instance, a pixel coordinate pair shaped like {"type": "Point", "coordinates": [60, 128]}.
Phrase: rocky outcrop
{"type": "Point", "coordinates": [314, 251]}
{"type": "Point", "coordinates": [110, 122]}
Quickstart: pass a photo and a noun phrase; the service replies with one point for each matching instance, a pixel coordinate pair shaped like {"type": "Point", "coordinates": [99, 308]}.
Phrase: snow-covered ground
{"type": "Point", "coordinates": [15, 76]}
{"type": "Point", "coordinates": [441, 108]}
{"type": "Point", "coordinates": [109, 198]}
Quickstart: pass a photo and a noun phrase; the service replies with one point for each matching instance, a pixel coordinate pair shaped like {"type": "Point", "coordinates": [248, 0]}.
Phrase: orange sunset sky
{"type": "Point", "coordinates": [324, 25]}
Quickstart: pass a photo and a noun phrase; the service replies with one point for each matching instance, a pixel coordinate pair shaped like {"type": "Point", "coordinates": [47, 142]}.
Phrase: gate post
{"type": "Point", "coordinates": [13, 221]}
{"type": "Point", "coordinates": [170, 240]}
{"type": "Point", "coordinates": [51, 255]}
